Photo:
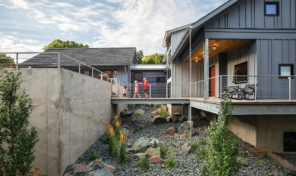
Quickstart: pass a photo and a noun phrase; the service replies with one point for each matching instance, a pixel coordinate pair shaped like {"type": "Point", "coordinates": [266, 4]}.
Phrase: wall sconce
{"type": "Point", "coordinates": [203, 55]}
{"type": "Point", "coordinates": [29, 67]}
{"type": "Point", "coordinates": [214, 47]}
{"type": "Point", "coordinates": [115, 72]}
{"type": "Point", "coordinates": [196, 60]}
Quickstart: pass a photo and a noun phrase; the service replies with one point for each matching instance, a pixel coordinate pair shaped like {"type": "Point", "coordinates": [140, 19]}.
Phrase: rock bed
{"type": "Point", "coordinates": [186, 163]}
{"type": "Point", "coordinates": [290, 157]}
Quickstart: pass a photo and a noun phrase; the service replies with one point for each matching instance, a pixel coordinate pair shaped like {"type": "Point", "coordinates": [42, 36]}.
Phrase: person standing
{"type": "Point", "coordinates": [136, 89]}
{"type": "Point", "coordinates": [146, 87]}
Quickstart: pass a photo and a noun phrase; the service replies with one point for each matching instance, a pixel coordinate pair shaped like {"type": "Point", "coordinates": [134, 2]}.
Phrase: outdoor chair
{"type": "Point", "coordinates": [248, 90]}
{"type": "Point", "coordinates": [230, 91]}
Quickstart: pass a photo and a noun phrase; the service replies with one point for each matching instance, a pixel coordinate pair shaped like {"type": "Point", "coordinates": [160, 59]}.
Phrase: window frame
{"type": "Point", "coordinates": [161, 82]}
{"type": "Point", "coordinates": [277, 8]}
{"type": "Point", "coordinates": [245, 80]}
{"type": "Point", "coordinates": [138, 73]}
{"type": "Point", "coordinates": [291, 71]}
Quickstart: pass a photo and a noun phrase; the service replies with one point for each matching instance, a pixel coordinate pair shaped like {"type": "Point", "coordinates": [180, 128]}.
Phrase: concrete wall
{"type": "Point", "coordinates": [71, 111]}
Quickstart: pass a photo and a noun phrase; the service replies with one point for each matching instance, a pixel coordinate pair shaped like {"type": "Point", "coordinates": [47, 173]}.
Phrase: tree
{"type": "Point", "coordinates": [57, 43]}
{"type": "Point", "coordinates": [17, 141]}
{"type": "Point", "coordinates": [6, 61]}
{"type": "Point", "coordinates": [140, 56]}
{"type": "Point", "coordinates": [153, 59]}
{"type": "Point", "coordinates": [222, 148]}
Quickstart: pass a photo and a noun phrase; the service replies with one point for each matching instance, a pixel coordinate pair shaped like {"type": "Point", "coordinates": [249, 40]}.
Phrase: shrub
{"type": "Point", "coordinates": [222, 147]}
{"type": "Point", "coordinates": [261, 162]}
{"type": "Point", "coordinates": [112, 141]}
{"type": "Point", "coordinates": [151, 105]}
{"type": "Point", "coordinates": [204, 142]}
{"type": "Point", "coordinates": [163, 150]}
{"type": "Point", "coordinates": [130, 107]}
{"type": "Point", "coordinates": [170, 162]}
{"type": "Point", "coordinates": [163, 112]}
{"type": "Point", "coordinates": [154, 107]}
{"type": "Point", "coordinates": [17, 153]}
{"type": "Point", "coordinates": [143, 163]}
{"type": "Point", "coordinates": [117, 129]}
{"type": "Point", "coordinates": [241, 153]}
{"type": "Point", "coordinates": [93, 156]}
{"type": "Point", "coordinates": [201, 154]}
{"type": "Point", "coordinates": [122, 154]}
{"type": "Point", "coordinates": [194, 146]}
{"type": "Point", "coordinates": [137, 129]}
{"type": "Point", "coordinates": [137, 115]}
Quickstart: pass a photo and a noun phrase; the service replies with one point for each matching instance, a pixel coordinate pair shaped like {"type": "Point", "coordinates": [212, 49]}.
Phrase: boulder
{"type": "Point", "coordinates": [158, 120]}
{"type": "Point", "coordinates": [153, 152]}
{"type": "Point", "coordinates": [129, 150]}
{"type": "Point", "coordinates": [170, 132]}
{"type": "Point", "coordinates": [242, 160]}
{"type": "Point", "coordinates": [169, 119]}
{"type": "Point", "coordinates": [139, 111]}
{"type": "Point", "coordinates": [147, 108]}
{"type": "Point", "coordinates": [75, 168]}
{"type": "Point", "coordinates": [154, 113]}
{"type": "Point", "coordinates": [289, 168]}
{"type": "Point", "coordinates": [176, 114]}
{"type": "Point", "coordinates": [183, 136]}
{"type": "Point", "coordinates": [155, 159]}
{"type": "Point", "coordinates": [139, 155]}
{"type": "Point", "coordinates": [175, 144]}
{"type": "Point", "coordinates": [176, 119]}
{"type": "Point", "coordinates": [110, 167]}
{"type": "Point", "coordinates": [126, 127]}
{"type": "Point", "coordinates": [141, 126]}
{"type": "Point", "coordinates": [258, 152]}
{"type": "Point", "coordinates": [153, 142]}
{"type": "Point", "coordinates": [125, 132]}
{"type": "Point", "coordinates": [245, 145]}
{"type": "Point", "coordinates": [102, 172]}
{"type": "Point", "coordinates": [177, 136]}
{"type": "Point", "coordinates": [96, 164]}
{"type": "Point", "coordinates": [185, 149]}
{"type": "Point", "coordinates": [124, 114]}
{"type": "Point", "coordinates": [183, 119]}
{"type": "Point", "coordinates": [185, 129]}
{"type": "Point", "coordinates": [141, 145]}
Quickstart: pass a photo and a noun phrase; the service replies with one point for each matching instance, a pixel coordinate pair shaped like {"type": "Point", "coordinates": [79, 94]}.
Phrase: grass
{"type": "Point", "coordinates": [194, 146]}
{"type": "Point", "coordinates": [261, 162]}
{"type": "Point", "coordinates": [241, 153]}
{"type": "Point", "coordinates": [137, 129]}
{"type": "Point", "coordinates": [144, 163]}
{"type": "Point", "coordinates": [201, 154]}
{"type": "Point", "coordinates": [203, 142]}
{"type": "Point", "coordinates": [122, 154]}
{"type": "Point", "coordinates": [93, 156]}
{"type": "Point", "coordinates": [170, 162]}
{"type": "Point", "coordinates": [137, 115]}
{"type": "Point", "coordinates": [163, 150]}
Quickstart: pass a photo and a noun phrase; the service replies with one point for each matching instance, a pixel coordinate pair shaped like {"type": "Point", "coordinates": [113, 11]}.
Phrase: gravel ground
{"type": "Point", "coordinates": [187, 164]}
{"type": "Point", "coordinates": [290, 157]}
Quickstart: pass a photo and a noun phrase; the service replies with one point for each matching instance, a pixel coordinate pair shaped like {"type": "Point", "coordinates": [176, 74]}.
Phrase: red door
{"type": "Point", "coordinates": [212, 82]}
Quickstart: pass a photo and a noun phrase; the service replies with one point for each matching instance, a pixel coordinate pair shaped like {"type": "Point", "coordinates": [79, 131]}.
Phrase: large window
{"type": "Point", "coordinates": [160, 80]}
{"type": "Point", "coordinates": [286, 70]}
{"type": "Point", "coordinates": [241, 73]}
{"type": "Point", "coordinates": [271, 8]}
{"type": "Point", "coordinates": [138, 76]}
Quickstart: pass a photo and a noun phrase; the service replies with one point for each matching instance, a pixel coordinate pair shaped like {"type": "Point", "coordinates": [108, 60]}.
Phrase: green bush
{"type": "Point", "coordinates": [261, 162]}
{"type": "Point", "coordinates": [93, 156]}
{"type": "Point", "coordinates": [170, 162]}
{"type": "Point", "coordinates": [222, 148]}
{"type": "Point", "coordinates": [194, 146]}
{"type": "Point", "coordinates": [137, 115]}
{"type": "Point", "coordinates": [163, 112]}
{"type": "Point", "coordinates": [137, 129]}
{"type": "Point", "coordinates": [122, 154]}
{"type": "Point", "coordinates": [151, 105]}
{"type": "Point", "coordinates": [112, 142]}
{"type": "Point", "coordinates": [17, 153]}
{"type": "Point", "coordinates": [204, 142]}
{"type": "Point", "coordinates": [241, 153]}
{"type": "Point", "coordinates": [201, 154]}
{"type": "Point", "coordinates": [163, 150]}
{"type": "Point", "coordinates": [143, 163]}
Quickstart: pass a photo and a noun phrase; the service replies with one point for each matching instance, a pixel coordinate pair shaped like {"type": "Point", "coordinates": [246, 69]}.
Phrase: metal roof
{"type": "Point", "coordinates": [169, 32]}
{"type": "Point", "coordinates": [89, 56]}
{"type": "Point", "coordinates": [148, 67]}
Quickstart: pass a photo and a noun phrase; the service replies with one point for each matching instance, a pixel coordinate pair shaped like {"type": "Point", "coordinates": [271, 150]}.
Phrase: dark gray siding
{"type": "Point", "coordinates": [250, 14]}
{"type": "Point", "coordinates": [122, 75]}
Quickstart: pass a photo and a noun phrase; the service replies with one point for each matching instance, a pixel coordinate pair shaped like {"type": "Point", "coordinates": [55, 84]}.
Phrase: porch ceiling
{"type": "Point", "coordinates": [222, 46]}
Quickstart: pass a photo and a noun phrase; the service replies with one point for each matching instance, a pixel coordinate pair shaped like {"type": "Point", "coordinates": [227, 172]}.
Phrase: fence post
{"type": "Point", "coordinates": [101, 76]}
{"type": "Point", "coordinates": [92, 72]}
{"type": "Point", "coordinates": [221, 94]}
{"type": "Point", "coordinates": [255, 94]}
{"type": "Point", "coordinates": [16, 60]}
{"type": "Point", "coordinates": [59, 60]}
{"type": "Point", "coordinates": [150, 91]}
{"type": "Point", "coordinates": [79, 67]}
{"type": "Point", "coordinates": [289, 88]}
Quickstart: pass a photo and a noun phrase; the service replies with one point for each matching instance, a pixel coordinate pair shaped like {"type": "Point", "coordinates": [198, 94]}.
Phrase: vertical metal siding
{"type": "Point", "coordinates": [175, 39]}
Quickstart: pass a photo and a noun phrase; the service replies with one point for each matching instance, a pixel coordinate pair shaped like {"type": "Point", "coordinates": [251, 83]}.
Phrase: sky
{"type": "Point", "coordinates": [29, 25]}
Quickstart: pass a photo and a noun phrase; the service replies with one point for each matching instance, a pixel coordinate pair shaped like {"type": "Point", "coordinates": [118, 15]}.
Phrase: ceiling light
{"type": "Point", "coordinates": [214, 47]}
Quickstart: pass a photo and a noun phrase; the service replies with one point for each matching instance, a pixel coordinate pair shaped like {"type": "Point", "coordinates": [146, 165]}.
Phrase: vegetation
{"type": "Point", "coordinates": [117, 129]}
{"type": "Point", "coordinates": [137, 129]}
{"type": "Point", "coordinates": [153, 59]}
{"type": "Point", "coordinates": [221, 147]}
{"type": "Point", "coordinates": [140, 56]}
{"type": "Point", "coordinates": [130, 107]}
{"type": "Point", "coordinates": [111, 141]}
{"type": "Point", "coordinates": [94, 156]}
{"type": "Point", "coordinates": [163, 112]}
{"type": "Point", "coordinates": [124, 115]}
{"type": "Point", "coordinates": [170, 161]}
{"type": "Point", "coordinates": [144, 163]}
{"type": "Point", "coordinates": [151, 105]}
{"type": "Point", "coordinates": [122, 154]}
{"type": "Point", "coordinates": [201, 154]}
{"type": "Point", "coordinates": [16, 156]}
{"type": "Point", "coordinates": [261, 162]}
{"type": "Point", "coordinates": [137, 115]}
{"type": "Point", "coordinates": [241, 153]}
{"type": "Point", "coordinates": [194, 146]}
{"type": "Point", "coordinates": [6, 61]}
{"type": "Point", "coordinates": [163, 150]}
{"type": "Point", "coordinates": [57, 43]}
{"type": "Point", "coordinates": [154, 107]}
{"type": "Point", "coordinates": [204, 142]}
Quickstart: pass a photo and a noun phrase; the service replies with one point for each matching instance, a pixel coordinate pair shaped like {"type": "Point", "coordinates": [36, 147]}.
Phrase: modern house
{"type": "Point", "coordinates": [246, 49]}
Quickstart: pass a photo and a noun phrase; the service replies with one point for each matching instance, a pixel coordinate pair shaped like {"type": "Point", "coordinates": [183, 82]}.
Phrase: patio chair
{"type": "Point", "coordinates": [248, 90]}
{"type": "Point", "coordinates": [230, 91]}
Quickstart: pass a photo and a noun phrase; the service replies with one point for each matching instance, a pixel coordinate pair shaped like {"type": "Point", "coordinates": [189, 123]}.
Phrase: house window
{"type": "Point", "coordinates": [160, 80]}
{"type": "Point", "coordinates": [289, 141]}
{"type": "Point", "coordinates": [138, 76]}
{"type": "Point", "coordinates": [271, 8]}
{"type": "Point", "coordinates": [241, 73]}
{"type": "Point", "coordinates": [286, 70]}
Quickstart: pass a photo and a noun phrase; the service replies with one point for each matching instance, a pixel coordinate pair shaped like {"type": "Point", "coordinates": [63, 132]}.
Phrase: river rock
{"type": "Point", "coordinates": [139, 111]}
{"type": "Point", "coordinates": [185, 129]}
{"type": "Point", "coordinates": [141, 145]}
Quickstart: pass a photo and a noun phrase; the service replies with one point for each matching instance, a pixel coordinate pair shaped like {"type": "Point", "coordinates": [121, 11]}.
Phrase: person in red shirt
{"type": "Point", "coordinates": [146, 87]}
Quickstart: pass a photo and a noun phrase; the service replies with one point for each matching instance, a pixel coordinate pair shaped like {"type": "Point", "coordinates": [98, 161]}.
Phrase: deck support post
{"type": "Point", "coordinates": [92, 72]}
{"type": "Point", "coordinates": [101, 76]}
{"type": "Point", "coordinates": [189, 113]}
{"type": "Point", "coordinates": [289, 88]}
{"type": "Point", "coordinates": [79, 68]}
{"type": "Point", "coordinates": [59, 60]}
{"type": "Point", "coordinates": [182, 109]}
{"type": "Point", "coordinates": [206, 67]}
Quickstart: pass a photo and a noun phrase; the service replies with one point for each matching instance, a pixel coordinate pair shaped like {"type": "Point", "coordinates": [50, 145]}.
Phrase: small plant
{"type": "Point", "coordinates": [112, 141]}
{"type": "Point", "coordinates": [163, 150]}
{"type": "Point", "coordinates": [154, 107]}
{"type": "Point", "coordinates": [143, 163]}
{"type": "Point", "coordinates": [151, 105]}
{"type": "Point", "coordinates": [130, 107]}
{"type": "Point", "coordinates": [163, 112]}
{"type": "Point", "coordinates": [202, 154]}
{"type": "Point", "coordinates": [93, 156]}
{"type": "Point", "coordinates": [241, 153]}
{"type": "Point", "coordinates": [124, 115]}
{"type": "Point", "coordinates": [170, 162]}
{"type": "Point", "coordinates": [137, 129]}
{"type": "Point", "coordinates": [261, 162]}
{"type": "Point", "coordinates": [137, 115]}
{"type": "Point", "coordinates": [194, 146]}
{"type": "Point", "coordinates": [203, 143]}
{"type": "Point", "coordinates": [117, 129]}
{"type": "Point", "coordinates": [122, 155]}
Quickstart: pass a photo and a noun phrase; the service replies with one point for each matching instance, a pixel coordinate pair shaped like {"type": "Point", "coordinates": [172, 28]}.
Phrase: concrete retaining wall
{"type": "Point", "coordinates": [71, 111]}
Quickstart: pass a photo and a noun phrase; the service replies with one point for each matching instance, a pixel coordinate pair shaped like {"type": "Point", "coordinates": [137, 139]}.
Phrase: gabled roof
{"type": "Point", "coordinates": [169, 33]}
{"type": "Point", "coordinates": [148, 67]}
{"type": "Point", "coordinates": [89, 56]}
